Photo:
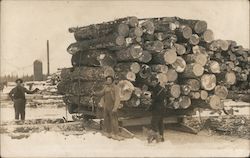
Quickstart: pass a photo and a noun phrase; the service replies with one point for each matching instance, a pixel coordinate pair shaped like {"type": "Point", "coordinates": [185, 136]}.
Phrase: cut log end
{"type": "Point", "coordinates": [200, 27]}
{"type": "Point", "coordinates": [214, 102]}
{"type": "Point", "coordinates": [186, 32]}
{"type": "Point", "coordinates": [208, 81]}
{"type": "Point", "coordinates": [179, 65]}
{"type": "Point", "coordinates": [123, 30]}
{"type": "Point", "coordinates": [208, 36]}
{"type": "Point", "coordinates": [170, 56]}
{"type": "Point", "coordinates": [172, 75]}
{"type": "Point", "coordinates": [194, 39]}
{"type": "Point", "coordinates": [214, 67]}
{"type": "Point", "coordinates": [120, 40]}
{"type": "Point", "coordinates": [126, 89]}
{"type": "Point", "coordinates": [221, 91]}
{"type": "Point", "coordinates": [184, 102]}
{"type": "Point", "coordinates": [230, 78]}
{"type": "Point", "coordinates": [204, 94]}
{"type": "Point", "coordinates": [201, 59]}
{"type": "Point", "coordinates": [175, 91]}
{"type": "Point", "coordinates": [180, 49]}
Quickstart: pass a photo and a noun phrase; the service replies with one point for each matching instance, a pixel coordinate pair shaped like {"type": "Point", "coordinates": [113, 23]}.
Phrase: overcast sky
{"type": "Point", "coordinates": [26, 25]}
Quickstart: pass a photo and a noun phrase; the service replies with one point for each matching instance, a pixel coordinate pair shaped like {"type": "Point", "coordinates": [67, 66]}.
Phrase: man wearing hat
{"type": "Point", "coordinates": [17, 95]}
{"type": "Point", "coordinates": [110, 102]}
{"type": "Point", "coordinates": [158, 109]}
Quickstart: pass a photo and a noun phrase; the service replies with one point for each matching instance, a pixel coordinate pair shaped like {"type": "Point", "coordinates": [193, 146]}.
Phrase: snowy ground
{"type": "Point", "coordinates": [90, 144]}
{"type": "Point", "coordinates": [93, 144]}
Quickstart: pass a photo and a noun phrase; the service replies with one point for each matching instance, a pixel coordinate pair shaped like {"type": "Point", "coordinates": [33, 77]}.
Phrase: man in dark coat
{"type": "Point", "coordinates": [158, 109]}
{"type": "Point", "coordinates": [17, 95]}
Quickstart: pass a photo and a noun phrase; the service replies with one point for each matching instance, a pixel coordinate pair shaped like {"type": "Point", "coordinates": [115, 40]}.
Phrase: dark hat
{"type": "Point", "coordinates": [19, 79]}
{"type": "Point", "coordinates": [110, 77]}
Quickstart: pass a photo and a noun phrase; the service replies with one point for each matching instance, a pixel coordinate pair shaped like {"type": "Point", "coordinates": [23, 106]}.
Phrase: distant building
{"type": "Point", "coordinates": [38, 70]}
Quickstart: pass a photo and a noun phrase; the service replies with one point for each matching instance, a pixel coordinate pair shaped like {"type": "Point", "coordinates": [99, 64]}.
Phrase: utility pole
{"type": "Point", "coordinates": [48, 58]}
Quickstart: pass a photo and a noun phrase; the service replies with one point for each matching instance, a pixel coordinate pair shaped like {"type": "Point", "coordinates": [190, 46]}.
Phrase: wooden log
{"type": "Point", "coordinates": [135, 32]}
{"type": "Point", "coordinates": [172, 75]}
{"type": "Point", "coordinates": [204, 94]}
{"type": "Point", "coordinates": [126, 89]}
{"type": "Point", "coordinates": [128, 66]}
{"type": "Point", "coordinates": [131, 53]}
{"type": "Point", "coordinates": [179, 65]}
{"type": "Point", "coordinates": [145, 57]}
{"type": "Point", "coordinates": [198, 58]}
{"type": "Point", "coordinates": [184, 102]}
{"type": "Point", "coordinates": [145, 71]}
{"type": "Point", "coordinates": [159, 68]}
{"type": "Point", "coordinates": [174, 90]}
{"type": "Point", "coordinates": [133, 21]}
{"type": "Point", "coordinates": [200, 26]}
{"type": "Point", "coordinates": [112, 42]}
{"type": "Point", "coordinates": [194, 84]}
{"type": "Point", "coordinates": [208, 36]}
{"type": "Point", "coordinates": [162, 78]}
{"type": "Point", "coordinates": [228, 78]}
{"type": "Point", "coordinates": [214, 102]}
{"type": "Point", "coordinates": [221, 91]}
{"type": "Point", "coordinates": [195, 95]}
{"type": "Point", "coordinates": [193, 71]}
{"type": "Point", "coordinates": [183, 33]}
{"type": "Point", "coordinates": [94, 31]}
{"type": "Point", "coordinates": [185, 89]}
{"type": "Point", "coordinates": [208, 82]}
{"type": "Point", "coordinates": [168, 56]}
{"type": "Point", "coordinates": [213, 67]}
{"type": "Point", "coordinates": [180, 49]}
{"type": "Point", "coordinates": [148, 27]}
{"type": "Point", "coordinates": [93, 58]}
{"type": "Point", "coordinates": [125, 75]}
{"type": "Point", "coordinates": [156, 46]}
{"type": "Point", "coordinates": [194, 39]}
{"type": "Point", "coordinates": [120, 26]}
{"type": "Point", "coordinates": [223, 44]}
{"type": "Point", "coordinates": [87, 73]}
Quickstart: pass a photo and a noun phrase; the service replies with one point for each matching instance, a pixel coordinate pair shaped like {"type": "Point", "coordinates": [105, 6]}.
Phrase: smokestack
{"type": "Point", "coordinates": [48, 58]}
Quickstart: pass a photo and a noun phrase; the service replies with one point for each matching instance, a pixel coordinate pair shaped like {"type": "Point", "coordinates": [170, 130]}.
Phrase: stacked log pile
{"type": "Point", "coordinates": [182, 54]}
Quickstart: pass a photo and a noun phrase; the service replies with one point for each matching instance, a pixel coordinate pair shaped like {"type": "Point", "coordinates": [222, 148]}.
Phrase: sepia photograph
{"type": "Point", "coordinates": [116, 78]}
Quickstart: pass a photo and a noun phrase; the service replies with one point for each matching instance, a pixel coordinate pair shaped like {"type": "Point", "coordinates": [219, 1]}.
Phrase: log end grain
{"type": "Point", "coordinates": [170, 56]}
{"type": "Point", "coordinates": [214, 102]}
{"type": "Point", "coordinates": [172, 75]}
{"type": "Point", "coordinates": [179, 65]}
{"type": "Point", "coordinates": [208, 82]}
{"type": "Point", "coordinates": [126, 89]}
{"type": "Point", "coordinates": [123, 29]}
{"type": "Point", "coordinates": [208, 36]}
{"type": "Point", "coordinates": [184, 102]}
{"type": "Point", "coordinates": [204, 94]}
{"type": "Point", "coordinates": [221, 91]}
{"type": "Point", "coordinates": [200, 27]}
{"type": "Point", "coordinates": [175, 91]}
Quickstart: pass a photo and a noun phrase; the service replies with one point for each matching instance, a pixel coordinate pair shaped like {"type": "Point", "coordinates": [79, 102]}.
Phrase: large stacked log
{"type": "Point", "coordinates": [181, 54]}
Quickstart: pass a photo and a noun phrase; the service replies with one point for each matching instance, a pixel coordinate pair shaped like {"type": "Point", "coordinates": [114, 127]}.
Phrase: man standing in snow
{"type": "Point", "coordinates": [110, 102]}
{"type": "Point", "coordinates": [158, 110]}
{"type": "Point", "coordinates": [17, 95]}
